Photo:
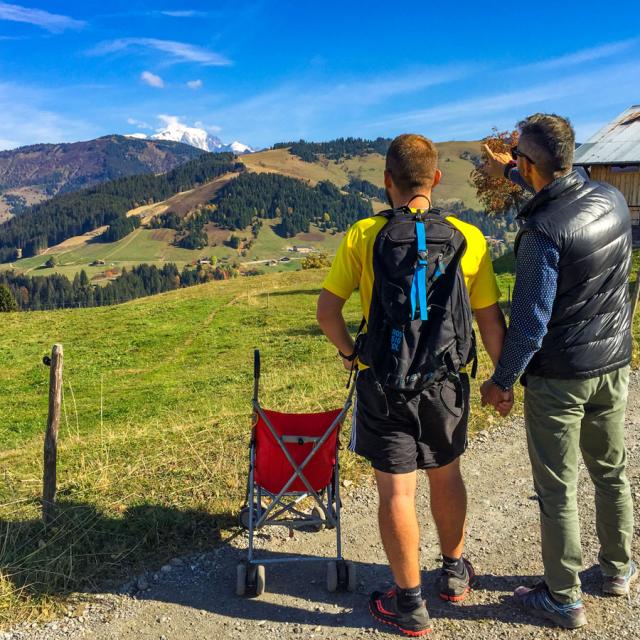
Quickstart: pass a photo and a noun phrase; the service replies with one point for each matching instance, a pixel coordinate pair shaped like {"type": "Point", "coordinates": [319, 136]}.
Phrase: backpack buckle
{"type": "Point", "coordinates": [423, 255]}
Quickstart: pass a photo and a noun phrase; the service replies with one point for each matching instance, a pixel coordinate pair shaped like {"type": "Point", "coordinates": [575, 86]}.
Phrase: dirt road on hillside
{"type": "Point", "coordinates": [192, 598]}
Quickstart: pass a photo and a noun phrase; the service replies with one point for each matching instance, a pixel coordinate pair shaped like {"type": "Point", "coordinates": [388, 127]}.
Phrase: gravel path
{"type": "Point", "coordinates": [193, 596]}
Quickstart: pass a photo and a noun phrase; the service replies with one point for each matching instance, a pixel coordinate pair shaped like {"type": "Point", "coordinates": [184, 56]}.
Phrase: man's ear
{"type": "Point", "coordinates": [527, 170]}
{"type": "Point", "coordinates": [436, 178]}
{"type": "Point", "coordinates": [388, 180]}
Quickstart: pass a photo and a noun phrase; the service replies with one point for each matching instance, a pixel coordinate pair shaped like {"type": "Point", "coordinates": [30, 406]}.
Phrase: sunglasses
{"type": "Point", "coordinates": [515, 154]}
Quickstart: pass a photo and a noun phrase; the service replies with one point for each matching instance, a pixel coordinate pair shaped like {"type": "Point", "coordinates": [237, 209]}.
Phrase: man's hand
{"type": "Point", "coordinates": [501, 401]}
{"type": "Point", "coordinates": [496, 162]}
{"type": "Point", "coordinates": [350, 364]}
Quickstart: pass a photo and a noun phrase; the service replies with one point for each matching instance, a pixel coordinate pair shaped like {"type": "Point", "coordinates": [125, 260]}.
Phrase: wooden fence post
{"type": "Point", "coordinates": [635, 295]}
{"type": "Point", "coordinates": [51, 436]}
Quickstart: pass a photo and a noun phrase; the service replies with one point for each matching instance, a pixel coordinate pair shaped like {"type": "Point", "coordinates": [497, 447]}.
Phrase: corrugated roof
{"type": "Point", "coordinates": [616, 143]}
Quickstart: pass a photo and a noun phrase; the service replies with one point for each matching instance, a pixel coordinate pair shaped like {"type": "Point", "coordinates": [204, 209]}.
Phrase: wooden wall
{"type": "Point", "coordinates": [628, 183]}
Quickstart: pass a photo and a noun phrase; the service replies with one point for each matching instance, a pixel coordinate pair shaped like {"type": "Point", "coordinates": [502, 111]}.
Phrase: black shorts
{"type": "Point", "coordinates": [423, 429]}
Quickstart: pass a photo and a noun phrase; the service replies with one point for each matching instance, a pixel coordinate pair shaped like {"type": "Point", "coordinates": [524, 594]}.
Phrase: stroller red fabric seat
{"type": "Point", "coordinates": [273, 470]}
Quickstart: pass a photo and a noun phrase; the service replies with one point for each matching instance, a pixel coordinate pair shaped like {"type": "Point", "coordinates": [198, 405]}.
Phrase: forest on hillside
{"type": "Point", "coordinates": [269, 195]}
{"type": "Point", "coordinates": [337, 149]}
{"type": "Point", "coordinates": [253, 197]}
{"type": "Point", "coordinates": [37, 293]}
{"type": "Point", "coordinates": [68, 215]}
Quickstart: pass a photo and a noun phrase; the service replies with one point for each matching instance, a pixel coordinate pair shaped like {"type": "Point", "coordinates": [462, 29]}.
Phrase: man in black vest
{"type": "Point", "coordinates": [570, 333]}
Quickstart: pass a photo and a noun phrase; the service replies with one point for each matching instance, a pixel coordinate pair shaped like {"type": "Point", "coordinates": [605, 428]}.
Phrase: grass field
{"type": "Point", "coordinates": [155, 425]}
{"type": "Point", "coordinates": [154, 246]}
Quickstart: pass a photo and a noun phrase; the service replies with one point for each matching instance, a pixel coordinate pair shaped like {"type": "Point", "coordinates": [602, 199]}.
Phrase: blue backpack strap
{"type": "Point", "coordinates": [419, 284]}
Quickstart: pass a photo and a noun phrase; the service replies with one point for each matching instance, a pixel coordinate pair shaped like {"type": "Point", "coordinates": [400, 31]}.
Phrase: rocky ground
{"type": "Point", "coordinates": [193, 597]}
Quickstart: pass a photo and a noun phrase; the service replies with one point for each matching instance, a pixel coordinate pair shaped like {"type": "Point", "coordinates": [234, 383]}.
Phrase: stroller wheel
{"type": "Point", "coordinates": [332, 576]}
{"type": "Point", "coordinates": [260, 580]}
{"type": "Point", "coordinates": [244, 515]}
{"type": "Point", "coordinates": [241, 579]}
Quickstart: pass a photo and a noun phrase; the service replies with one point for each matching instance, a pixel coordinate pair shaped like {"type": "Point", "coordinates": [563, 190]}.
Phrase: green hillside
{"type": "Point", "coordinates": [454, 161]}
{"type": "Point", "coordinates": [155, 246]}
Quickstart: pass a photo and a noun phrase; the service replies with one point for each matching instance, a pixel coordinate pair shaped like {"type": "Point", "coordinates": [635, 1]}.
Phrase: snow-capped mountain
{"type": "Point", "coordinates": [194, 136]}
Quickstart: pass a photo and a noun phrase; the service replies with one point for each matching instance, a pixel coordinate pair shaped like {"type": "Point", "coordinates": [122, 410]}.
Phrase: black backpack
{"type": "Point", "coordinates": [420, 328]}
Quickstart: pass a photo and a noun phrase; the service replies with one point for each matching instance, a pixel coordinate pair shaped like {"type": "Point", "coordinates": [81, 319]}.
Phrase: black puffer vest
{"type": "Point", "coordinates": [589, 332]}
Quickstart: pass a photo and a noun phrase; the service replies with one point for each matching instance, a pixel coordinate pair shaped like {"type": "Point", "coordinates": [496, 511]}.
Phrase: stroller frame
{"type": "Point", "coordinates": [283, 507]}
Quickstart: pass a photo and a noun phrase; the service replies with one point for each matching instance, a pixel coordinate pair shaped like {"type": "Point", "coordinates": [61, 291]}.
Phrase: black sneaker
{"type": "Point", "coordinates": [453, 587]}
{"type": "Point", "coordinates": [384, 608]}
{"type": "Point", "coordinates": [539, 601]}
{"type": "Point", "coordinates": [619, 585]}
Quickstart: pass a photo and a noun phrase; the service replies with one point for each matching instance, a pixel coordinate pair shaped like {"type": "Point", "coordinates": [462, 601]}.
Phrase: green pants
{"type": "Point", "coordinates": [564, 418]}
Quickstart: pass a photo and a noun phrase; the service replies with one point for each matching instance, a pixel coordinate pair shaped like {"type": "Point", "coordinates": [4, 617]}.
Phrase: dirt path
{"type": "Point", "coordinates": [193, 597]}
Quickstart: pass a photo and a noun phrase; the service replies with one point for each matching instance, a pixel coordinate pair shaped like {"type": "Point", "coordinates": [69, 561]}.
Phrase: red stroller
{"type": "Point", "coordinates": [292, 458]}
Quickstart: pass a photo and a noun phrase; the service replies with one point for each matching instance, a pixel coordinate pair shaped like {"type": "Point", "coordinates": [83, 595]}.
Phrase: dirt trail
{"type": "Point", "coordinates": [193, 597]}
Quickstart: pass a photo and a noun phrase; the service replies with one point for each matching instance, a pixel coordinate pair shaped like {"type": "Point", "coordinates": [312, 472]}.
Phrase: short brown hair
{"type": "Point", "coordinates": [412, 161]}
{"type": "Point", "coordinates": [550, 141]}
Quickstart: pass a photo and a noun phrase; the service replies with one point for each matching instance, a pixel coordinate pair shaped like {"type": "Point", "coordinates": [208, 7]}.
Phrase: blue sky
{"type": "Point", "coordinates": [266, 71]}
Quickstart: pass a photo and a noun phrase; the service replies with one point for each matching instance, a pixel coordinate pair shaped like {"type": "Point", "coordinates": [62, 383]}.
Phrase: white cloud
{"type": "Point", "coordinates": [152, 79]}
{"type": "Point", "coordinates": [592, 83]}
{"type": "Point", "coordinates": [141, 124]}
{"type": "Point", "coordinates": [580, 57]}
{"type": "Point", "coordinates": [194, 84]}
{"type": "Point", "coordinates": [50, 21]}
{"type": "Point", "coordinates": [211, 128]}
{"type": "Point", "coordinates": [180, 51]}
{"type": "Point", "coordinates": [186, 13]}
{"type": "Point", "coordinates": [299, 108]}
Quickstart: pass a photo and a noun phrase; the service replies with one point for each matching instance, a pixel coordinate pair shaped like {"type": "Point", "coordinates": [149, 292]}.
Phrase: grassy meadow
{"type": "Point", "coordinates": [155, 246]}
{"type": "Point", "coordinates": [155, 426]}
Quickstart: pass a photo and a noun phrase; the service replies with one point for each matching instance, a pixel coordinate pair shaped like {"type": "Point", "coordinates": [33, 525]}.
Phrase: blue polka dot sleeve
{"type": "Point", "coordinates": [533, 297]}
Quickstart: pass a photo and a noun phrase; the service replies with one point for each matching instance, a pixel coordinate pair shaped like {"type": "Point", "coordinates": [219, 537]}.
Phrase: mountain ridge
{"type": "Point", "coordinates": [194, 136]}
{"type": "Point", "coordinates": [34, 173]}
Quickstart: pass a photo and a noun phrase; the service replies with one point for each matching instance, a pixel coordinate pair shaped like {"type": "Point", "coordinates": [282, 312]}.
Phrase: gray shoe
{"type": "Point", "coordinates": [620, 585]}
{"type": "Point", "coordinates": [455, 588]}
{"type": "Point", "coordinates": [540, 602]}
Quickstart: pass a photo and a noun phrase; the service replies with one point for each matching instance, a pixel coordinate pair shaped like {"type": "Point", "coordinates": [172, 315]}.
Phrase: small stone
{"type": "Point", "coordinates": [176, 562]}
{"type": "Point", "coordinates": [347, 483]}
{"type": "Point", "coordinates": [167, 568]}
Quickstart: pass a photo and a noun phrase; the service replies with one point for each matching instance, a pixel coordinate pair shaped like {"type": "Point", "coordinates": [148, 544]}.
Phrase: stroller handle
{"type": "Point", "coordinates": [256, 374]}
{"type": "Point", "coordinates": [256, 363]}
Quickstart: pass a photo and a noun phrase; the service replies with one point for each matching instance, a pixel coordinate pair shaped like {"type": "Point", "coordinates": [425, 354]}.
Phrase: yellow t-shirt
{"type": "Point", "coordinates": [352, 266]}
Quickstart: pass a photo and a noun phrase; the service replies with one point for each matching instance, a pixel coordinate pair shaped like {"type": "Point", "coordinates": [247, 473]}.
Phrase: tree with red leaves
{"type": "Point", "coordinates": [495, 192]}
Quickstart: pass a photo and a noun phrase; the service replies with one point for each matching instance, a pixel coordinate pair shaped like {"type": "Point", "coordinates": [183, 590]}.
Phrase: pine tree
{"type": "Point", "coordinates": [7, 301]}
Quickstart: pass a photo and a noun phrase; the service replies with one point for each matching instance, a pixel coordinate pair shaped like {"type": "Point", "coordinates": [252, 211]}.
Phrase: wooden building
{"type": "Point", "coordinates": [613, 155]}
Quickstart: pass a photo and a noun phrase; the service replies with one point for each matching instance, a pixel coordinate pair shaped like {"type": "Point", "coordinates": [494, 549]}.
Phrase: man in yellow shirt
{"type": "Point", "coordinates": [423, 429]}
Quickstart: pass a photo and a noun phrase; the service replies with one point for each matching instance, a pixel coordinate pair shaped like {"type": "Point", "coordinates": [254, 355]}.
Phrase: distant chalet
{"type": "Point", "coordinates": [613, 155]}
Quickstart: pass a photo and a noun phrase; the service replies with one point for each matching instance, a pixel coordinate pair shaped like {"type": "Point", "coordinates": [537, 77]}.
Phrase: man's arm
{"type": "Point", "coordinates": [533, 297]}
{"type": "Point", "coordinates": [331, 321]}
{"type": "Point", "coordinates": [492, 330]}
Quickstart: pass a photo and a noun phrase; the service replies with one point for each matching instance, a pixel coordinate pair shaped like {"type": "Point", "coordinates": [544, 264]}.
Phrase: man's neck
{"type": "Point", "coordinates": [542, 182]}
{"type": "Point", "coordinates": [420, 200]}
